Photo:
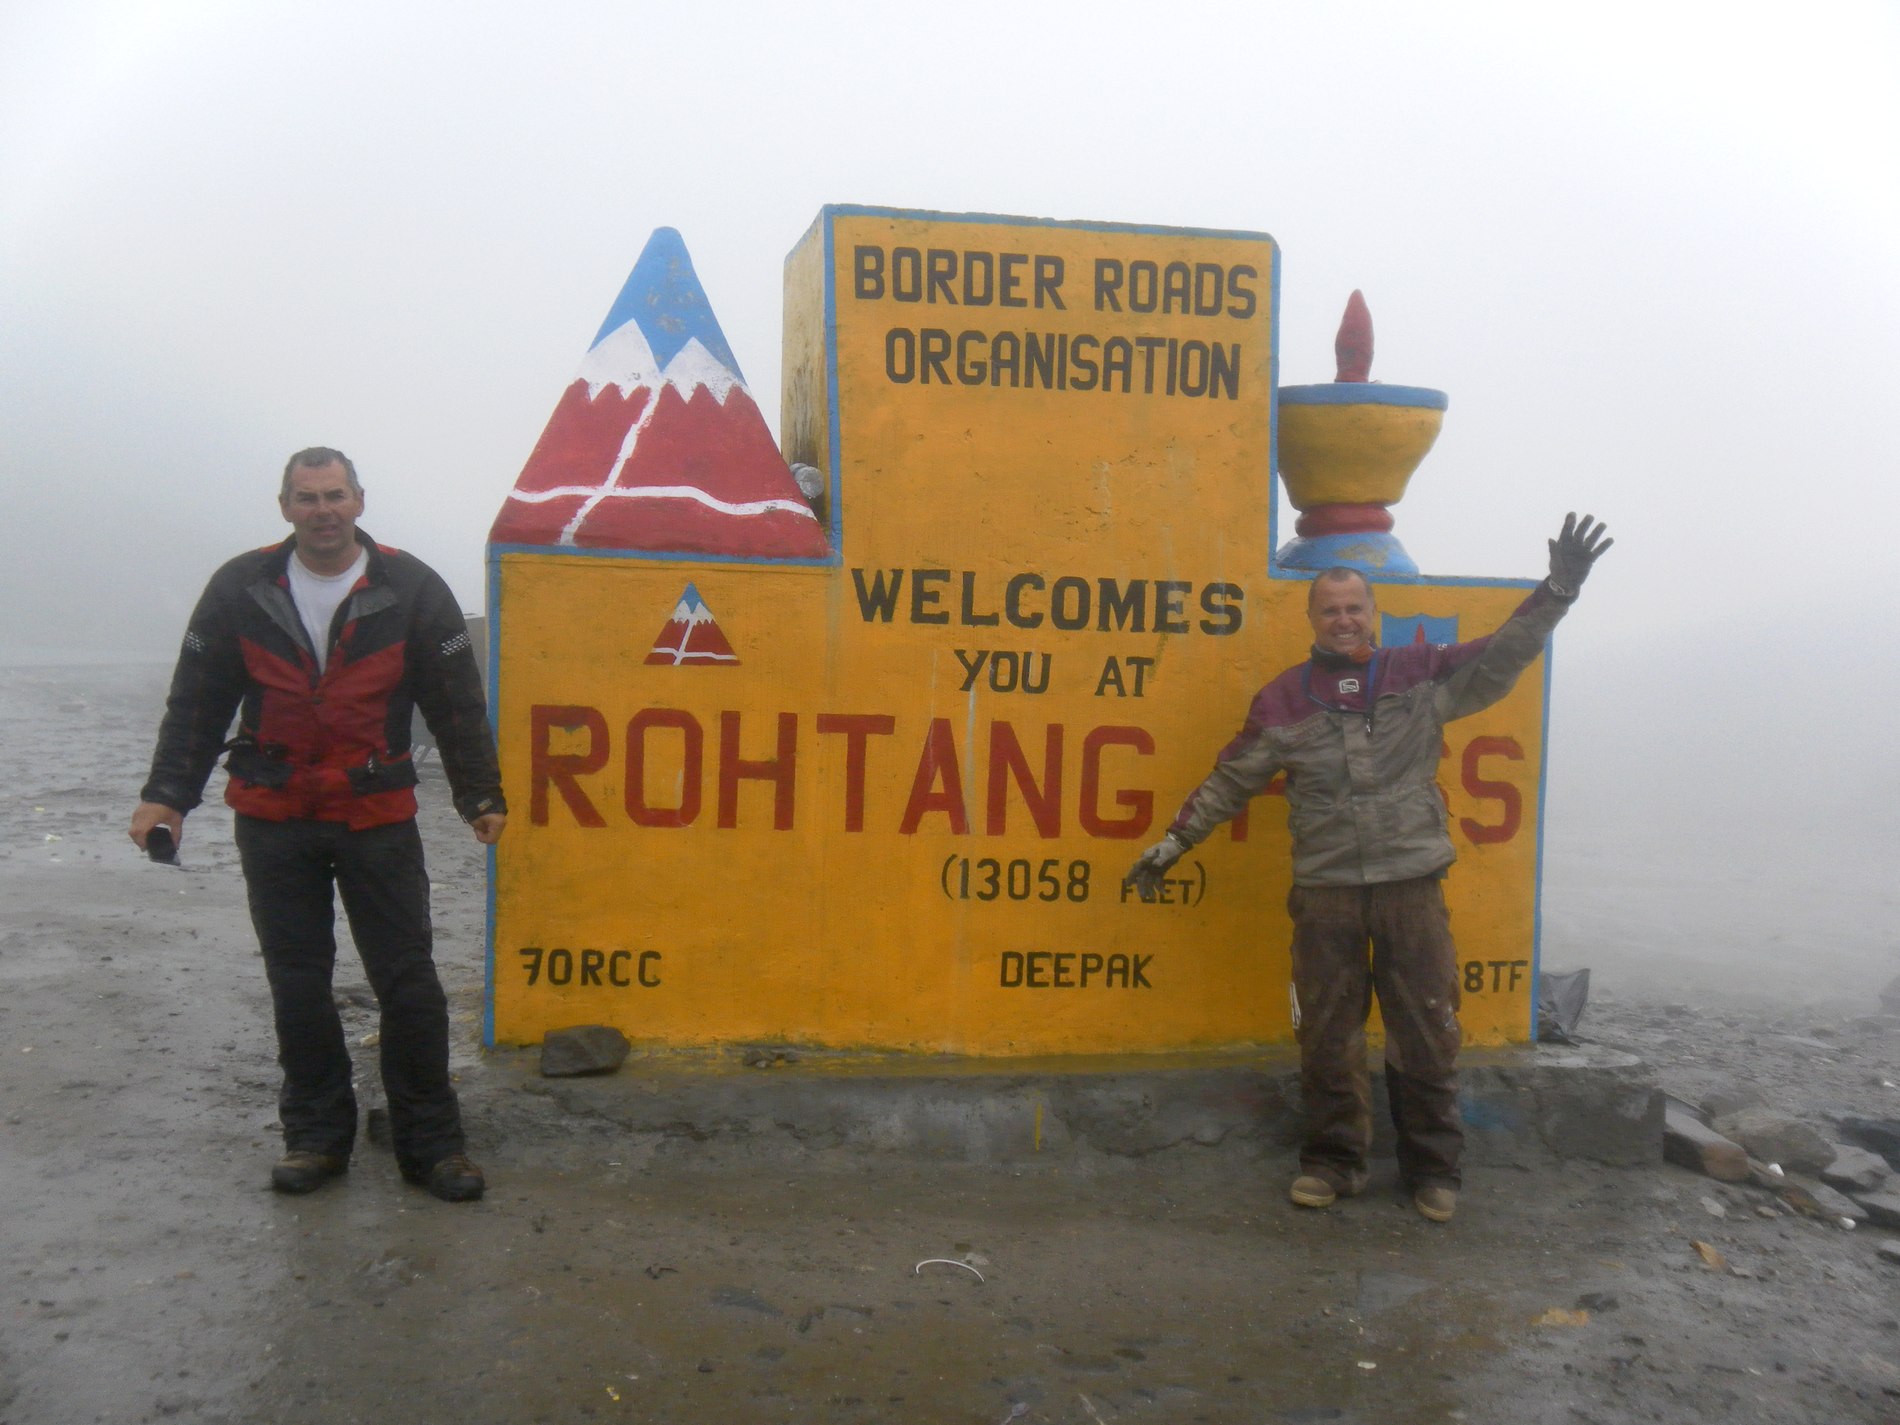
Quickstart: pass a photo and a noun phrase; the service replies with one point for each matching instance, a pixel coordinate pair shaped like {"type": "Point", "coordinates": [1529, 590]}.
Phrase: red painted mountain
{"type": "Point", "coordinates": [657, 444]}
{"type": "Point", "coordinates": [692, 635]}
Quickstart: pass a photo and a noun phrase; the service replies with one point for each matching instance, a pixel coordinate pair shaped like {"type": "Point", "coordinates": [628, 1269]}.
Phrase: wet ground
{"type": "Point", "coordinates": [147, 1273]}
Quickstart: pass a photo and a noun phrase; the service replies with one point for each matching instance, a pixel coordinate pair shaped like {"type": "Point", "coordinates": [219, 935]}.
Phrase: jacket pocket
{"type": "Point", "coordinates": [376, 776]}
{"type": "Point", "coordinates": [250, 763]}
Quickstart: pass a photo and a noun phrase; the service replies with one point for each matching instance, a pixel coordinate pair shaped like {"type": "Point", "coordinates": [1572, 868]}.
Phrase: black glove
{"type": "Point", "coordinates": [1574, 551]}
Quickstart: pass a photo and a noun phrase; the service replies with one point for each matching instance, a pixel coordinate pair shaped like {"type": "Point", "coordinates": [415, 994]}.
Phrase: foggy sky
{"type": "Point", "coordinates": [1651, 251]}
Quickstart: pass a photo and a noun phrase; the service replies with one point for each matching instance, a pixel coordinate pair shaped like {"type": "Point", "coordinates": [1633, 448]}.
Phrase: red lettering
{"type": "Point", "coordinates": [1044, 802]}
{"type": "Point", "coordinates": [938, 763]}
{"type": "Point", "coordinates": [1140, 804]}
{"type": "Point", "coordinates": [547, 768]}
{"type": "Point", "coordinates": [856, 727]}
{"type": "Point", "coordinates": [781, 771]}
{"type": "Point", "coordinates": [1502, 792]}
{"type": "Point", "coordinates": [692, 760]}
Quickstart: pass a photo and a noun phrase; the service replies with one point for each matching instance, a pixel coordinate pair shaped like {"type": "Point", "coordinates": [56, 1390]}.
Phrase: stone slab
{"type": "Point", "coordinates": [1574, 1101]}
{"type": "Point", "coordinates": [1692, 1144]}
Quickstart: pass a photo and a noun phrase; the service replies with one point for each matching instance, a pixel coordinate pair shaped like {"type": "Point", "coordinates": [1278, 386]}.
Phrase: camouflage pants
{"type": "Point", "coordinates": [1413, 965]}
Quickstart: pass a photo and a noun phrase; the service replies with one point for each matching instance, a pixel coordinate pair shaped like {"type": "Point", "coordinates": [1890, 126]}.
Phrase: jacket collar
{"type": "Point", "coordinates": [374, 571]}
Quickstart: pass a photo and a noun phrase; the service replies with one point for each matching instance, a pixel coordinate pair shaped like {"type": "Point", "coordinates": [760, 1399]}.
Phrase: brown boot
{"type": "Point", "coordinates": [301, 1172]}
{"type": "Point", "coordinates": [454, 1179]}
{"type": "Point", "coordinates": [1436, 1203]}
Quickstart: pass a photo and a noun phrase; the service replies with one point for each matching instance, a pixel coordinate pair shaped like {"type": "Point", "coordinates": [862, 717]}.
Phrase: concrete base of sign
{"type": "Point", "coordinates": [1580, 1102]}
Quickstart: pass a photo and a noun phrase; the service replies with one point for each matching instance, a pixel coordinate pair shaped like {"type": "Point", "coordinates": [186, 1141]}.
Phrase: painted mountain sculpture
{"type": "Point", "coordinates": [657, 446]}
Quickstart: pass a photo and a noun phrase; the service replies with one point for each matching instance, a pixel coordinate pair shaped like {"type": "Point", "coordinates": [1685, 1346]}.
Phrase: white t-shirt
{"type": "Point", "coordinates": [317, 597]}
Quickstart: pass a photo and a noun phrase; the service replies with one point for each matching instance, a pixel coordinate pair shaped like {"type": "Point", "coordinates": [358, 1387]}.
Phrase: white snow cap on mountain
{"type": "Point", "coordinates": [692, 611]}
{"type": "Point", "coordinates": [624, 358]}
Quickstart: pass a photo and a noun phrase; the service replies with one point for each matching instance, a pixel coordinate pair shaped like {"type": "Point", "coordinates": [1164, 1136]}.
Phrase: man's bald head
{"type": "Point", "coordinates": [1340, 607]}
{"type": "Point", "coordinates": [1339, 573]}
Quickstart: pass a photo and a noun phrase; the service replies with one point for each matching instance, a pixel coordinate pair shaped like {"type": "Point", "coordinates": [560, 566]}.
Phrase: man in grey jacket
{"type": "Point", "coordinates": [1358, 730]}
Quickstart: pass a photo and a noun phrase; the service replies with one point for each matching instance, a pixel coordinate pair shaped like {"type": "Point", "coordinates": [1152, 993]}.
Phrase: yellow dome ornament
{"type": "Point", "coordinates": [1347, 447]}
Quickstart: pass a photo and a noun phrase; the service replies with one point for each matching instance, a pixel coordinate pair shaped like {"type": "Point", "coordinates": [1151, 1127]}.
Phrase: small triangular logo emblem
{"type": "Point", "coordinates": [692, 635]}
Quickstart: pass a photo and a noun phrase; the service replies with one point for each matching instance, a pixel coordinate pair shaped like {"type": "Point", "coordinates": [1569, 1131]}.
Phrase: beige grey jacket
{"type": "Point", "coordinates": [1360, 745]}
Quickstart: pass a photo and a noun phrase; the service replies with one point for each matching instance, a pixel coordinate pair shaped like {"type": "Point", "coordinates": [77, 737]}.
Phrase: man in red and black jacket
{"type": "Point", "coordinates": [322, 647]}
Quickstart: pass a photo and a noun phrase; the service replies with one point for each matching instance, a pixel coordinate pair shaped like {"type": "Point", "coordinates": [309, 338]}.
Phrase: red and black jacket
{"type": "Point", "coordinates": [335, 746]}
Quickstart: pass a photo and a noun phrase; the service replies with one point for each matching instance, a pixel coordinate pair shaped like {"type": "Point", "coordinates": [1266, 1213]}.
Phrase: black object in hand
{"type": "Point", "coordinates": [161, 846]}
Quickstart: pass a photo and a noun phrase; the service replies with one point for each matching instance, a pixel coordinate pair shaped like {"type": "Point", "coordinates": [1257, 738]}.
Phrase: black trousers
{"type": "Point", "coordinates": [290, 868]}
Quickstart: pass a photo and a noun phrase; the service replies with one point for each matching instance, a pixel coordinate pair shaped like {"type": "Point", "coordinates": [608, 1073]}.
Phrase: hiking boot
{"type": "Point", "coordinates": [306, 1172]}
{"type": "Point", "coordinates": [1436, 1203]}
{"type": "Point", "coordinates": [1309, 1191]}
{"type": "Point", "coordinates": [454, 1179]}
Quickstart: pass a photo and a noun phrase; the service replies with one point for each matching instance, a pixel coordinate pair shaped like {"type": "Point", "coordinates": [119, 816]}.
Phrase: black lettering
{"type": "Point", "coordinates": [971, 618]}
{"type": "Point", "coordinates": [970, 670]}
{"type": "Point", "coordinates": [1223, 375]}
{"type": "Point", "coordinates": [1036, 970]}
{"type": "Point", "coordinates": [1085, 367]}
{"type": "Point", "coordinates": [1177, 284]}
{"type": "Point", "coordinates": [1144, 282]}
{"type": "Point", "coordinates": [867, 265]}
{"type": "Point", "coordinates": [1006, 349]}
{"type": "Point", "coordinates": [1193, 368]}
{"type": "Point", "coordinates": [1063, 960]}
{"type": "Point", "coordinates": [1039, 358]}
{"type": "Point", "coordinates": [1011, 967]}
{"type": "Point", "coordinates": [1117, 358]}
{"type": "Point", "coordinates": [1170, 605]}
{"type": "Point", "coordinates": [1149, 346]}
{"type": "Point", "coordinates": [1117, 970]}
{"type": "Point", "coordinates": [1013, 600]}
{"type": "Point", "coordinates": [923, 599]}
{"type": "Point", "coordinates": [1009, 280]}
{"type": "Point", "coordinates": [1091, 967]}
{"type": "Point", "coordinates": [907, 274]}
{"type": "Point", "coordinates": [974, 295]}
{"type": "Point", "coordinates": [1048, 279]}
{"type": "Point", "coordinates": [998, 683]}
{"type": "Point", "coordinates": [970, 371]}
{"type": "Point", "coordinates": [940, 266]}
{"type": "Point", "coordinates": [1221, 604]}
{"type": "Point", "coordinates": [1241, 297]}
{"type": "Point", "coordinates": [592, 962]}
{"type": "Point", "coordinates": [1138, 971]}
{"type": "Point", "coordinates": [933, 352]}
{"type": "Point", "coordinates": [649, 957]}
{"type": "Point", "coordinates": [560, 966]}
{"type": "Point", "coordinates": [1111, 678]}
{"type": "Point", "coordinates": [1208, 278]}
{"type": "Point", "coordinates": [617, 968]}
{"type": "Point", "coordinates": [900, 355]}
{"type": "Point", "coordinates": [1108, 281]}
{"type": "Point", "coordinates": [1126, 609]}
{"type": "Point", "coordinates": [532, 956]}
{"type": "Point", "coordinates": [1075, 591]}
{"type": "Point", "coordinates": [1142, 667]}
{"type": "Point", "coordinates": [879, 601]}
{"type": "Point", "coordinates": [1030, 683]}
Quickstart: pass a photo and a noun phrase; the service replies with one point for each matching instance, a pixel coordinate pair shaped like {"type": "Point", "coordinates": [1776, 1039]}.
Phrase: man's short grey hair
{"type": "Point", "coordinates": [1333, 576]}
{"type": "Point", "coordinates": [315, 458]}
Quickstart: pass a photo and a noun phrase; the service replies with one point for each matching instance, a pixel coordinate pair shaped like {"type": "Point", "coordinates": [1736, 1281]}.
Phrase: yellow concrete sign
{"type": "Point", "coordinates": [861, 766]}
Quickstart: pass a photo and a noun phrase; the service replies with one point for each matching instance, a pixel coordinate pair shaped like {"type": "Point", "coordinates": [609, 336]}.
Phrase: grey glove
{"type": "Point", "coordinates": [1145, 875]}
{"type": "Point", "coordinates": [1573, 552]}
